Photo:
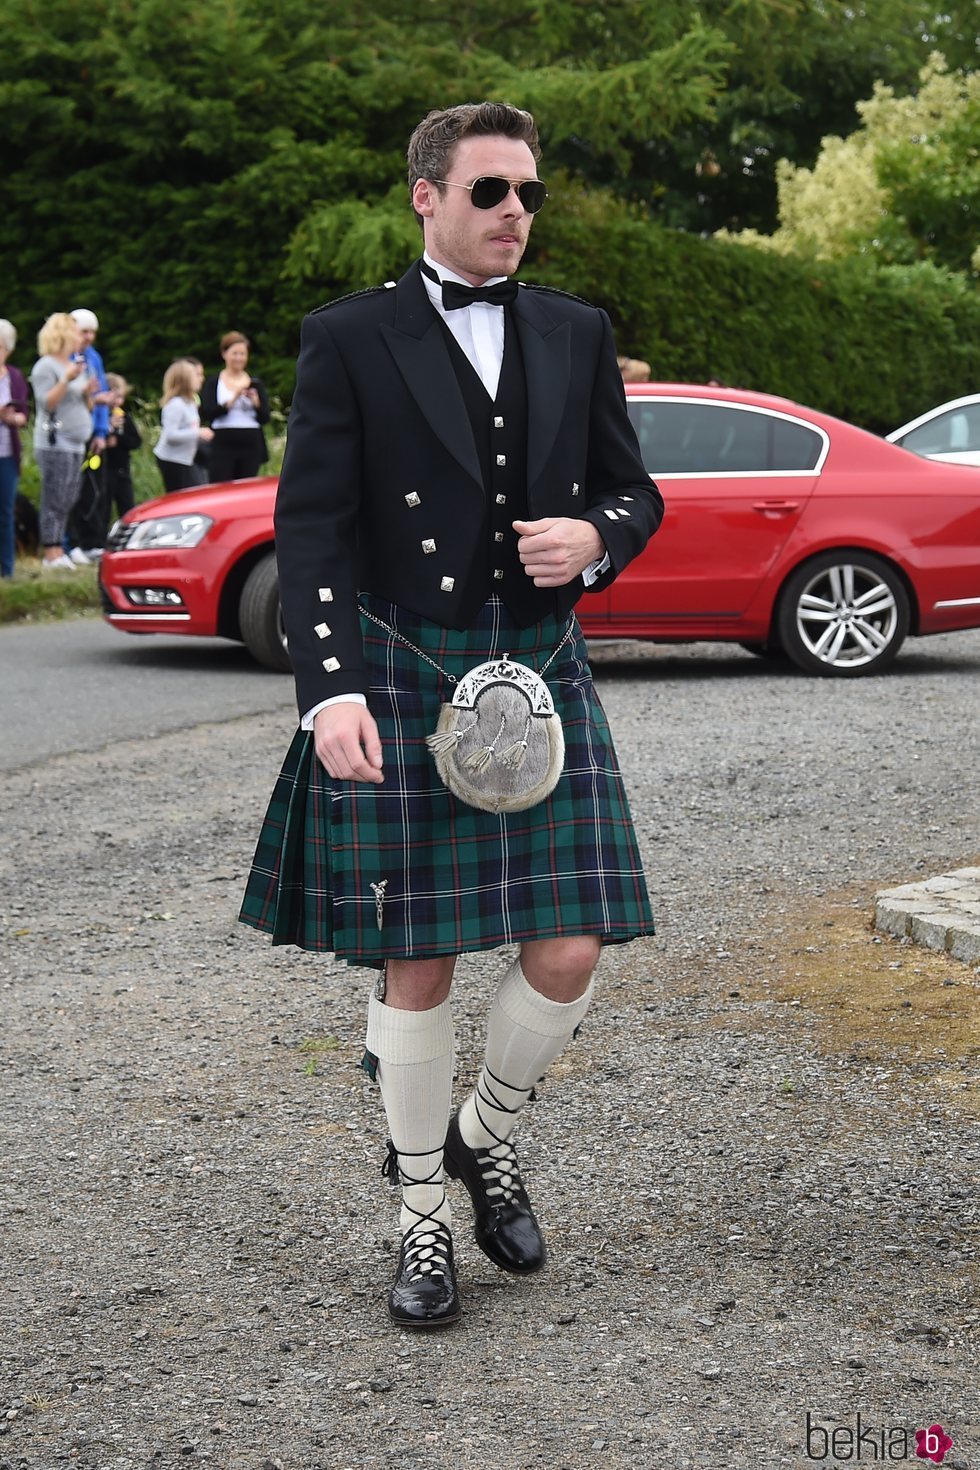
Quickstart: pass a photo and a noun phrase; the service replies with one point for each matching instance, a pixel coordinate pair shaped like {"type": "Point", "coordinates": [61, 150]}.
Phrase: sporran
{"type": "Point", "coordinates": [499, 744]}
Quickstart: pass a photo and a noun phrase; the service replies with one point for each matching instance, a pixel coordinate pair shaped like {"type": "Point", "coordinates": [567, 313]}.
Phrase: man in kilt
{"type": "Point", "coordinates": [460, 468]}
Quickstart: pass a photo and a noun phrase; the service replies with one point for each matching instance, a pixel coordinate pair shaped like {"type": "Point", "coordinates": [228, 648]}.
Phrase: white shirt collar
{"type": "Point", "coordinates": [445, 274]}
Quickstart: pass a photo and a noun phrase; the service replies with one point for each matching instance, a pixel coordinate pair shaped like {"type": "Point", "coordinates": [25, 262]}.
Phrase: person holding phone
{"type": "Point", "coordinates": [236, 406]}
{"type": "Point", "coordinates": [62, 390]}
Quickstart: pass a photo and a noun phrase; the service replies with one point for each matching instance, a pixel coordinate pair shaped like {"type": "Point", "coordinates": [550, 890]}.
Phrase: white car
{"type": "Point", "coordinates": [950, 432]}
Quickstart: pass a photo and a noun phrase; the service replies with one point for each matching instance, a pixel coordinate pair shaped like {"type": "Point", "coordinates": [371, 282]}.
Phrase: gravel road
{"type": "Point", "coordinates": [757, 1168]}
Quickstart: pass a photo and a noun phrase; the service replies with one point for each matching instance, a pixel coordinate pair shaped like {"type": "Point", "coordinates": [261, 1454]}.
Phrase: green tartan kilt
{"type": "Point", "coordinates": [454, 878]}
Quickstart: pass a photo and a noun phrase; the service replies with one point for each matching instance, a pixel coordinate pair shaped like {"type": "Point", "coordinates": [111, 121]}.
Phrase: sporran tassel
{"type": "Point", "coordinates": [513, 756]}
{"type": "Point", "coordinates": [442, 740]}
{"type": "Point", "coordinates": [478, 760]}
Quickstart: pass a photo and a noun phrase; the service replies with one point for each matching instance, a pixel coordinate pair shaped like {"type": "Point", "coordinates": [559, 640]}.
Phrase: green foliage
{"type": "Point", "coordinates": [904, 186]}
{"type": "Point", "coordinates": [871, 345]}
{"type": "Point", "coordinates": [184, 169]}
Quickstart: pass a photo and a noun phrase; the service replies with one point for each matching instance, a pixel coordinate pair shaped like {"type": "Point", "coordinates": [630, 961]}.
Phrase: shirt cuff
{"type": "Point", "coordinates": [593, 572]}
{"type": "Point", "coordinates": [306, 723]}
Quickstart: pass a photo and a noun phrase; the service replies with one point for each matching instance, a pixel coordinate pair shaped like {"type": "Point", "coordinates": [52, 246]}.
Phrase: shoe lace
{"type": "Point", "coordinates": [427, 1242]}
{"type": "Point", "coordinates": [427, 1248]}
{"type": "Point", "coordinates": [498, 1163]}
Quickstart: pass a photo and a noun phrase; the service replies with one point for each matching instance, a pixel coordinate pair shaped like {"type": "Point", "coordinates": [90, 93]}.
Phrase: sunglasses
{"type": "Point", "coordinates": [489, 191]}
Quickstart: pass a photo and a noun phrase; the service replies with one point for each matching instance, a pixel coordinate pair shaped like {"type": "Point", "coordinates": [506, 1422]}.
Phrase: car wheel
{"type": "Point", "coordinates": [260, 616]}
{"type": "Point", "coordinates": [844, 614]}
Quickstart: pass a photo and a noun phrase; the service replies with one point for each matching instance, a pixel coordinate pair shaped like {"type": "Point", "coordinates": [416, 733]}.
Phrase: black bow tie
{"type": "Point", "coordinates": [455, 295]}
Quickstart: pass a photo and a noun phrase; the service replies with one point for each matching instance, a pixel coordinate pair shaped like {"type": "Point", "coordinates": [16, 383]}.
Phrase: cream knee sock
{"type": "Point", "coordinates": [415, 1073]}
{"type": "Point", "coordinates": [525, 1033]}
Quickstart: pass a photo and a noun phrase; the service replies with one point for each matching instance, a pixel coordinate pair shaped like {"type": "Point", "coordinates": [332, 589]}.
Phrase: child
{"type": "Point", "coordinates": [123, 438]}
{"type": "Point", "coordinates": [182, 429]}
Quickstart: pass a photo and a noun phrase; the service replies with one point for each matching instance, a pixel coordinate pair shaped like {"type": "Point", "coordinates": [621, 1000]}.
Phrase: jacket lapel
{"type": "Point", "coordinates": [416, 343]}
{"type": "Point", "coordinates": [546, 345]}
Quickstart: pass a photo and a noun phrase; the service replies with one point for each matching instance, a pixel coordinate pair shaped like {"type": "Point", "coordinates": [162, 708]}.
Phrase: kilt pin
{"type": "Point", "coordinates": [402, 478]}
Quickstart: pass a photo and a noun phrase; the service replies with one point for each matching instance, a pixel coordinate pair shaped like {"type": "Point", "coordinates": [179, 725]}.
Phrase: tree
{"type": "Point", "coordinates": [905, 186]}
{"type": "Point", "coordinates": [256, 166]}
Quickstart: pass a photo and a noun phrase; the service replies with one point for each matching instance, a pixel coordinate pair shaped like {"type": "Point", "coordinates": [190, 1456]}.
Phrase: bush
{"type": "Point", "coordinates": [874, 345]}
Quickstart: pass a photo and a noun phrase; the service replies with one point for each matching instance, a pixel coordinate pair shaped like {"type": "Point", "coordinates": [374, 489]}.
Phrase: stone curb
{"type": "Point", "coordinates": [939, 913]}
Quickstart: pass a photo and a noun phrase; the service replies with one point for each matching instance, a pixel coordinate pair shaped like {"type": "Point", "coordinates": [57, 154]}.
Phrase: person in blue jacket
{"type": "Point", "coordinates": [89, 519]}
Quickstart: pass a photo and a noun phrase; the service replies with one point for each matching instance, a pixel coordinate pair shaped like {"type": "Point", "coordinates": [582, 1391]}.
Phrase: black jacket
{"type": "Point", "coordinates": [380, 455]}
{"type": "Point", "coordinates": [211, 409]}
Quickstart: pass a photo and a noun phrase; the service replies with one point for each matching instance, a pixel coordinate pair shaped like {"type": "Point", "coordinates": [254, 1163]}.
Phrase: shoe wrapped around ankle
{"type": "Point", "coordinates": [504, 1223]}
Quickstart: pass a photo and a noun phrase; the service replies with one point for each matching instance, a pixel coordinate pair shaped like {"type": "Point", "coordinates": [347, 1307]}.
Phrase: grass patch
{"type": "Point", "coordinates": [876, 1000]}
{"type": "Point", "coordinates": [33, 596]}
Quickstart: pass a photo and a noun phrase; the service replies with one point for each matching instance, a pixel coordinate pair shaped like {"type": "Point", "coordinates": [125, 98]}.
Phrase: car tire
{"type": "Point", "coordinates": [843, 615]}
{"type": "Point", "coordinates": [260, 616]}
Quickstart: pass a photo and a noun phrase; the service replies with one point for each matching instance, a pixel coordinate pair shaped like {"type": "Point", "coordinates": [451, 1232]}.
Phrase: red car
{"type": "Point", "coordinates": [785, 531]}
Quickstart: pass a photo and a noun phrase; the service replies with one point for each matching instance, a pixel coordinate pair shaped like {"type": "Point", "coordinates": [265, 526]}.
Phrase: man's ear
{"type": "Point", "coordinates": [423, 198]}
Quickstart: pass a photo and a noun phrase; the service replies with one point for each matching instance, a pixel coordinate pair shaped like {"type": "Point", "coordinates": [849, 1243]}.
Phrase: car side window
{"type": "Point", "coordinates": [959, 429]}
{"type": "Point", "coordinates": [708, 438]}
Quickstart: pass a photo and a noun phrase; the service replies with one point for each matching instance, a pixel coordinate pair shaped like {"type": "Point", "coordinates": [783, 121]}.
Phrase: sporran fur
{"type": "Point", "coordinates": [499, 746]}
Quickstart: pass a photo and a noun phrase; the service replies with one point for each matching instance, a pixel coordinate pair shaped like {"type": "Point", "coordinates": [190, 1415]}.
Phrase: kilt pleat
{"type": "Point", "coordinates": [451, 878]}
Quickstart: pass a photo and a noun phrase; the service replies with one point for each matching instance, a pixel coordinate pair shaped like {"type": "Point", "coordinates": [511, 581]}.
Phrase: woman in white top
{"type": "Point", "coordinates": [181, 430]}
{"type": "Point", "coordinates": [62, 428]}
{"type": "Point", "coordinates": [236, 405]}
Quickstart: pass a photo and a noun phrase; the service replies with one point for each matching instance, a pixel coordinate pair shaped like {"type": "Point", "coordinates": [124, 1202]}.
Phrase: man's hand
{"type": "Point", "coordinates": [556, 550]}
{"type": "Point", "coordinates": [97, 445]}
{"type": "Point", "coordinates": [347, 743]}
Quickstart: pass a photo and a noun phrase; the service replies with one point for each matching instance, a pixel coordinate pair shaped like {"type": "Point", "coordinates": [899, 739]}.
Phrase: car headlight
{"type": "Point", "coordinates": [169, 531]}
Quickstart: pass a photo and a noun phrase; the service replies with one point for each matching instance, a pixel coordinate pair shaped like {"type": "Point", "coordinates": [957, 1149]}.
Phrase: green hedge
{"type": "Point", "coordinates": [872, 345]}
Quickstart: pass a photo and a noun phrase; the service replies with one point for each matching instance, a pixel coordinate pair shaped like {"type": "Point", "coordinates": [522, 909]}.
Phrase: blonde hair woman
{"type": "Point", "coordinates": [62, 428]}
{"type": "Point", "coordinates": [181, 431]}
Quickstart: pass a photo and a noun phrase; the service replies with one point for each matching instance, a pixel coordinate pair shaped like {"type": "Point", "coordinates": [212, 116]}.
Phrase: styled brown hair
{"type": "Point", "coordinates": [431, 146]}
{"type": "Point", "coordinates": [230, 338]}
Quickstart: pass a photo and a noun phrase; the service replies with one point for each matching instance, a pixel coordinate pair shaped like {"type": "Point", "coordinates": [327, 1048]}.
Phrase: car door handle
{"type": "Point", "coordinates": [776, 507]}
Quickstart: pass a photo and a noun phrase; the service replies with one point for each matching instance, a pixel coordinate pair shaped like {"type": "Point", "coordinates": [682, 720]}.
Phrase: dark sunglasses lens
{"type": "Point", "coordinates": [488, 192]}
{"type": "Point", "coordinates": [532, 195]}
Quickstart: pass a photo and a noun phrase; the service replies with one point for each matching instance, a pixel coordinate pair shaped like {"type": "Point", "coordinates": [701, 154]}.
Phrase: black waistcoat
{"type": "Point", "coordinates": [500, 430]}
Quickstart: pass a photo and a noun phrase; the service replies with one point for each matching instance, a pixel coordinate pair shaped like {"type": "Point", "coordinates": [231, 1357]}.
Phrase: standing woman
{"type": "Point", "coordinates": [62, 428]}
{"type": "Point", "coordinates": [236, 406]}
{"type": "Point", "coordinates": [181, 432]}
{"type": "Point", "coordinates": [13, 416]}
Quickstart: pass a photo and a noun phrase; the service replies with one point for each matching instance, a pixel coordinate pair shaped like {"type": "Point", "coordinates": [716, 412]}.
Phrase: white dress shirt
{"type": "Point", "coordinates": [479, 330]}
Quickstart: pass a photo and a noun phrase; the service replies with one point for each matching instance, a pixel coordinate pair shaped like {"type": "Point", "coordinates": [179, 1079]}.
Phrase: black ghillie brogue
{"type": "Point", "coordinates": [504, 1225]}
{"type": "Point", "coordinates": [424, 1292]}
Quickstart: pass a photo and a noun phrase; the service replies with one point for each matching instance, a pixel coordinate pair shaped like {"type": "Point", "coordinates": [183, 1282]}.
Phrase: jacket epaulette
{"type": "Point", "coordinates": [554, 291]}
{"type": "Point", "coordinates": [351, 296]}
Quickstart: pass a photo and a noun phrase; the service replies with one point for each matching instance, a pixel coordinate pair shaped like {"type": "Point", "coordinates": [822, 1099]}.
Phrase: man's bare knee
{"type": "Point", "coordinates": [418, 985]}
{"type": "Point", "coordinates": [560, 969]}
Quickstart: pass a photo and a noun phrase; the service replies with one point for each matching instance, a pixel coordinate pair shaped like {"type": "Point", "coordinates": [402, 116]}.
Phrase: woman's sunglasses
{"type": "Point", "coordinates": [489, 191]}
